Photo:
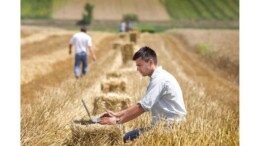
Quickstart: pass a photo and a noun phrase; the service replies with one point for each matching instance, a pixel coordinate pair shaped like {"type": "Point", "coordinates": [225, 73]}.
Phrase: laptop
{"type": "Point", "coordinates": [92, 120]}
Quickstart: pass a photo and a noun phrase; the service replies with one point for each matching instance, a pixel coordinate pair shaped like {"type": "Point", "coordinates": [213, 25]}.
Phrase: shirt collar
{"type": "Point", "coordinates": [156, 72]}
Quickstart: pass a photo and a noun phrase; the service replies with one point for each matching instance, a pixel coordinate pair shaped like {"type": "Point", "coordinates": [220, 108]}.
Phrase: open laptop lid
{"type": "Point", "coordinates": [93, 120]}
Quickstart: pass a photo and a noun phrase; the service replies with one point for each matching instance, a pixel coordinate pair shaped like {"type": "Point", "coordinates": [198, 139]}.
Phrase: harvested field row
{"type": "Point", "coordinates": [56, 43]}
{"type": "Point", "coordinates": [210, 99]}
{"type": "Point", "coordinates": [84, 88]}
{"type": "Point", "coordinates": [38, 57]}
{"type": "Point", "coordinates": [215, 47]}
{"type": "Point", "coordinates": [52, 69]}
{"type": "Point", "coordinates": [39, 66]}
{"type": "Point", "coordinates": [113, 97]}
{"type": "Point", "coordinates": [41, 34]}
{"type": "Point", "coordinates": [217, 41]}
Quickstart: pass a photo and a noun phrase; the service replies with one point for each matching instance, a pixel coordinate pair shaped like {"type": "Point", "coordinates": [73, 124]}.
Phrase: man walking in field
{"type": "Point", "coordinates": [82, 42]}
{"type": "Point", "coordinates": [163, 96]}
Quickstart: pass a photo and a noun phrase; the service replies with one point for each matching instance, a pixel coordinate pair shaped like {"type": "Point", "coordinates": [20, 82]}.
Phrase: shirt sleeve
{"type": "Point", "coordinates": [71, 42]}
{"type": "Point", "coordinates": [152, 96]}
{"type": "Point", "coordinates": [89, 42]}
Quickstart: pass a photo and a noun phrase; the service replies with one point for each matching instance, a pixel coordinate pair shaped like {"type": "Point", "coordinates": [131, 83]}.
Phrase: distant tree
{"type": "Point", "coordinates": [130, 18]}
{"type": "Point", "coordinates": [87, 15]}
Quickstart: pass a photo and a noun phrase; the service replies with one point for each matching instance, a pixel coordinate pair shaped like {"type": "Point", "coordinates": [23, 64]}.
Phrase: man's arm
{"type": "Point", "coordinates": [124, 115]}
{"type": "Point", "coordinates": [92, 53]}
{"type": "Point", "coordinates": [69, 48]}
{"type": "Point", "coordinates": [131, 113]}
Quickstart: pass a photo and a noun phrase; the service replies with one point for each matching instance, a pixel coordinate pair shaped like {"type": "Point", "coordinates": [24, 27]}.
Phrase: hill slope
{"type": "Point", "coordinates": [113, 9]}
{"type": "Point", "coordinates": [203, 9]}
{"type": "Point", "coordinates": [147, 10]}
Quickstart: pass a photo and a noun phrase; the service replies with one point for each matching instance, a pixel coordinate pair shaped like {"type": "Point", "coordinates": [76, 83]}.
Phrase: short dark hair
{"type": "Point", "coordinates": [83, 29]}
{"type": "Point", "coordinates": [145, 53]}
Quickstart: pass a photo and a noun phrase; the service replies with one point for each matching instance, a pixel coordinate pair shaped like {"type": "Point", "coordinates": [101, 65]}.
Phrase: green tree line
{"type": "Point", "coordinates": [36, 8]}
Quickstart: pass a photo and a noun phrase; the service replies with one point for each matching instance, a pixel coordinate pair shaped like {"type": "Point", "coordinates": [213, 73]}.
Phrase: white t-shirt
{"type": "Point", "coordinates": [123, 27]}
{"type": "Point", "coordinates": [164, 97]}
{"type": "Point", "coordinates": [81, 41]}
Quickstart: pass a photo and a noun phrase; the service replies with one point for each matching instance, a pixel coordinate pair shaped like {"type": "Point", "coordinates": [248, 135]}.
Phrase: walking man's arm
{"type": "Point", "coordinates": [92, 53]}
{"type": "Point", "coordinates": [70, 49]}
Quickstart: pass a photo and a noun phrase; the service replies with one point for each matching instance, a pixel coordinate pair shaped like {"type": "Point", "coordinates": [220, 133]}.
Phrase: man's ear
{"type": "Point", "coordinates": [150, 62]}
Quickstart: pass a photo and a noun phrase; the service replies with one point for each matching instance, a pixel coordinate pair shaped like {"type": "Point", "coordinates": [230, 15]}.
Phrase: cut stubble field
{"type": "Point", "coordinates": [51, 99]}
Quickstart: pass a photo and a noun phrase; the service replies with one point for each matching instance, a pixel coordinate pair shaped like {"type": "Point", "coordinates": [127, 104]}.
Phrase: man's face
{"type": "Point", "coordinates": [143, 67]}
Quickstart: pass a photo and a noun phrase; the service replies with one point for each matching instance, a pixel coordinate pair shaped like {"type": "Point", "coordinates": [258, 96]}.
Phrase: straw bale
{"type": "Point", "coordinates": [114, 85]}
{"type": "Point", "coordinates": [112, 101]}
{"type": "Point", "coordinates": [133, 37]}
{"type": "Point", "coordinates": [96, 134]}
{"type": "Point", "coordinates": [114, 74]}
{"type": "Point", "coordinates": [127, 52]}
{"type": "Point", "coordinates": [137, 32]}
{"type": "Point", "coordinates": [124, 36]}
{"type": "Point", "coordinates": [117, 44]}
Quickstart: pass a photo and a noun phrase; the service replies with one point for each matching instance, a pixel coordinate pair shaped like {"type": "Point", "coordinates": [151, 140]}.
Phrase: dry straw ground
{"type": "Point", "coordinates": [51, 97]}
{"type": "Point", "coordinates": [219, 47]}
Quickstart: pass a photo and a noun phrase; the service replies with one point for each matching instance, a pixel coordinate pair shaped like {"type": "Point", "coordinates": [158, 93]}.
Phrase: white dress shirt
{"type": "Point", "coordinates": [163, 97]}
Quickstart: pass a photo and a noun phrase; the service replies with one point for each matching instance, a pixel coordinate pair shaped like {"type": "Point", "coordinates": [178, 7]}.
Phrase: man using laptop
{"type": "Point", "coordinates": [163, 97]}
